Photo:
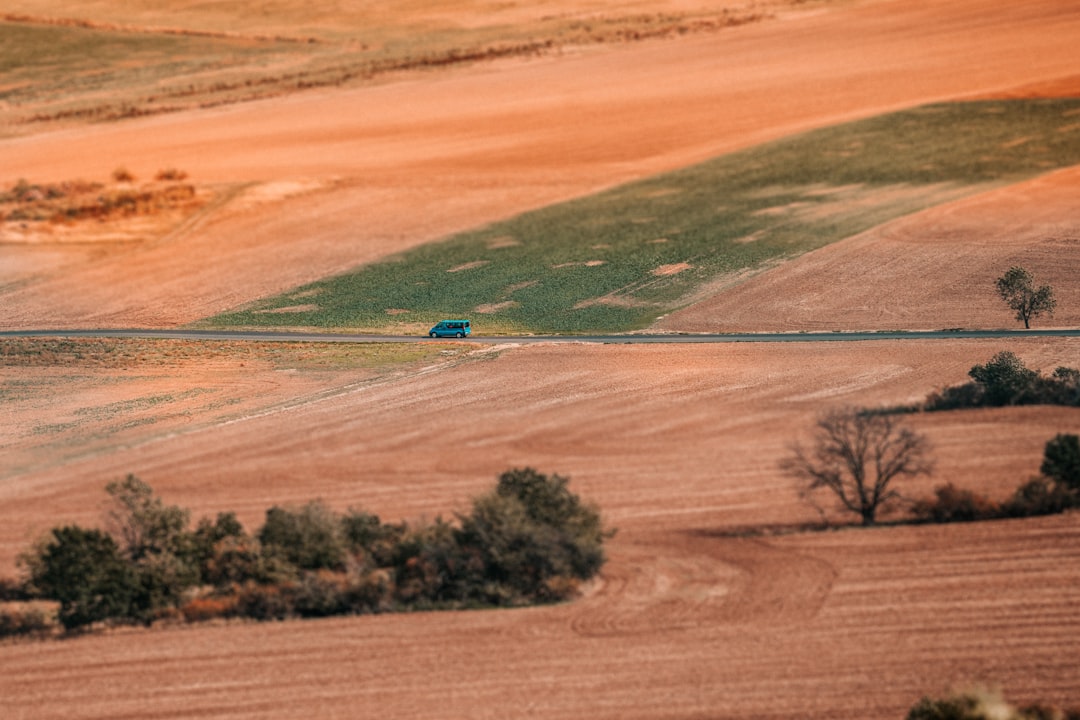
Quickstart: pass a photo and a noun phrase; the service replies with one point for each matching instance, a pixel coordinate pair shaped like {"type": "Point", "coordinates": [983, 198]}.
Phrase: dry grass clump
{"type": "Point", "coordinates": [78, 200]}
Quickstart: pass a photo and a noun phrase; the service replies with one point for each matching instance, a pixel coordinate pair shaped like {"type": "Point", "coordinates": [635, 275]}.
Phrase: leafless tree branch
{"type": "Point", "coordinates": [856, 457]}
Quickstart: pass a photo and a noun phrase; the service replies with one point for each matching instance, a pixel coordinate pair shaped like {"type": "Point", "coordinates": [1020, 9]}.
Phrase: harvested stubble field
{"type": "Point", "coordinates": [678, 445]}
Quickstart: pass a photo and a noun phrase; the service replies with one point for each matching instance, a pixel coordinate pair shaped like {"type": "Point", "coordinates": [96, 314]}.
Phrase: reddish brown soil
{"type": "Point", "coordinates": [677, 444]}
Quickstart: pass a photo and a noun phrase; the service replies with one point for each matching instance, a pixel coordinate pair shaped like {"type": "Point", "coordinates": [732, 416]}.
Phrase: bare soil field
{"type": "Point", "coordinates": [678, 445]}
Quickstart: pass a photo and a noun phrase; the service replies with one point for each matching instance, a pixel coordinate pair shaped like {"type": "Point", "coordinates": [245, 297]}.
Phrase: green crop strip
{"type": "Point", "coordinates": [617, 260]}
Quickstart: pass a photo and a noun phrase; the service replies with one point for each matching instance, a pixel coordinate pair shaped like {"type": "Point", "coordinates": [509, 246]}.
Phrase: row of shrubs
{"type": "Point", "coordinates": [530, 540]}
{"type": "Point", "coordinates": [1005, 380]}
{"type": "Point", "coordinates": [1055, 490]}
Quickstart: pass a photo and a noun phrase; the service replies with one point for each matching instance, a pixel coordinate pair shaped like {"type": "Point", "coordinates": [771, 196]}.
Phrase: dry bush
{"type": "Point", "coordinates": [22, 619]}
{"type": "Point", "coordinates": [170, 175]}
{"type": "Point", "coordinates": [266, 602]}
{"type": "Point", "coordinates": [1039, 496]}
{"type": "Point", "coordinates": [201, 609]}
{"type": "Point", "coordinates": [953, 504]}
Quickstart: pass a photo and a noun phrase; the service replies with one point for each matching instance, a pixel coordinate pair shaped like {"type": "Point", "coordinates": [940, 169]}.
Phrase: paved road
{"type": "Point", "coordinates": [271, 336]}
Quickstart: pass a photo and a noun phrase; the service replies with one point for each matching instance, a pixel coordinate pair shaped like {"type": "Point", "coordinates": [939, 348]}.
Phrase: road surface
{"type": "Point", "coordinates": [280, 336]}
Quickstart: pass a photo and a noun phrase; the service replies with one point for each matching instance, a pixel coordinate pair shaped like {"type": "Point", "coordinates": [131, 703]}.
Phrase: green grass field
{"type": "Point", "coordinates": [617, 260]}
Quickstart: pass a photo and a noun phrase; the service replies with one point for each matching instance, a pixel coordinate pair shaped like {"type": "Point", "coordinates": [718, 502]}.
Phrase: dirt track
{"type": "Point", "coordinates": [675, 444]}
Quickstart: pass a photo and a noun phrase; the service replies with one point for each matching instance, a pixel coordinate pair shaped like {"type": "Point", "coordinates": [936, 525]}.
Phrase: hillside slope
{"type": "Point", "coordinates": [341, 175]}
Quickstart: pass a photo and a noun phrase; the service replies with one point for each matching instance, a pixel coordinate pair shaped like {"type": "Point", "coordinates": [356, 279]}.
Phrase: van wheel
{"type": "Point", "coordinates": [434, 335]}
{"type": "Point", "coordinates": [461, 334]}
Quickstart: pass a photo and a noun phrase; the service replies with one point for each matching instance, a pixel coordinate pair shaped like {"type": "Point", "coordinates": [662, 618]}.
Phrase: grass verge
{"type": "Point", "coordinates": [134, 354]}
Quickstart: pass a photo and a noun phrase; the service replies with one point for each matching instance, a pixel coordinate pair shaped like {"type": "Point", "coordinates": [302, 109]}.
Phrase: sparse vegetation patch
{"type": "Point", "coordinates": [78, 200]}
{"type": "Point", "coordinates": [1005, 380]}
{"type": "Point", "coordinates": [128, 353]}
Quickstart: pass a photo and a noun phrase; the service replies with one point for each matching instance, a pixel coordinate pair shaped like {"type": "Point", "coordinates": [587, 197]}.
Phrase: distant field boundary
{"type": "Point", "coordinates": [149, 30]}
{"type": "Point", "coordinates": [627, 339]}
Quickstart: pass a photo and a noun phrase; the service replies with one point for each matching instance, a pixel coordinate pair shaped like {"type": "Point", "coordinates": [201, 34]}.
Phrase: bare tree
{"type": "Point", "coordinates": [1017, 289]}
{"type": "Point", "coordinates": [856, 457]}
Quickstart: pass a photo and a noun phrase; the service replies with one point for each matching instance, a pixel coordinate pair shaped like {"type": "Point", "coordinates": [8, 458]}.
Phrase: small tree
{"type": "Point", "coordinates": [534, 538]}
{"type": "Point", "coordinates": [154, 538]}
{"type": "Point", "coordinates": [1017, 289]}
{"type": "Point", "coordinates": [143, 523]}
{"type": "Point", "coordinates": [856, 457]}
{"type": "Point", "coordinates": [85, 571]}
{"type": "Point", "coordinates": [309, 537]}
{"type": "Point", "coordinates": [1004, 380]}
{"type": "Point", "coordinates": [1061, 461]}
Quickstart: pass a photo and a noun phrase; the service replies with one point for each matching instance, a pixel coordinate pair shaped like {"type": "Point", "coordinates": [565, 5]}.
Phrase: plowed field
{"type": "Point", "coordinates": [678, 445]}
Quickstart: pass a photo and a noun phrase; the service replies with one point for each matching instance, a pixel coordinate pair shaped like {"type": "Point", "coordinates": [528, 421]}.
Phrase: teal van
{"type": "Point", "coordinates": [451, 328]}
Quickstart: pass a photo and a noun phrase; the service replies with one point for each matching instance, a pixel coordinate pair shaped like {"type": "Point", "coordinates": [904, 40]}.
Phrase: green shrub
{"type": "Point", "coordinates": [235, 561]}
{"type": "Point", "coordinates": [528, 532]}
{"type": "Point", "coordinates": [225, 553]}
{"type": "Point", "coordinates": [1062, 387]}
{"type": "Point", "coordinates": [163, 554]}
{"type": "Point", "coordinates": [85, 572]}
{"type": "Point", "coordinates": [309, 537]}
{"type": "Point", "coordinates": [142, 521]}
{"type": "Point", "coordinates": [432, 568]}
{"type": "Point", "coordinates": [11, 589]}
{"type": "Point", "coordinates": [956, 707]}
{"type": "Point", "coordinates": [370, 540]}
{"type": "Point", "coordinates": [1004, 380]}
{"type": "Point", "coordinates": [162, 581]}
{"type": "Point", "coordinates": [548, 501]}
{"type": "Point", "coordinates": [956, 397]}
{"type": "Point", "coordinates": [1039, 496]}
{"type": "Point", "coordinates": [321, 593]}
{"type": "Point", "coordinates": [370, 592]}
{"type": "Point", "coordinates": [1061, 461]}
